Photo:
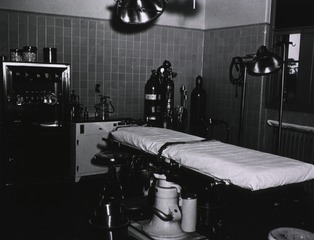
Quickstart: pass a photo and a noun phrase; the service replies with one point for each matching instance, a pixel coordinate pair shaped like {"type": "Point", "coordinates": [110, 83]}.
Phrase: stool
{"type": "Point", "coordinates": [287, 233]}
{"type": "Point", "coordinates": [112, 160]}
{"type": "Point", "coordinates": [108, 218]}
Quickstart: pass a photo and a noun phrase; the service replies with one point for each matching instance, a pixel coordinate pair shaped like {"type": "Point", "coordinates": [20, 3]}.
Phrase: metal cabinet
{"type": "Point", "coordinates": [35, 122]}
{"type": "Point", "coordinates": [85, 138]}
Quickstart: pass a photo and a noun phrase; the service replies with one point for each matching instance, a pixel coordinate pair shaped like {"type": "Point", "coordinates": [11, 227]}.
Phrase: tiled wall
{"type": "Point", "coordinates": [121, 62]}
{"type": "Point", "coordinates": [221, 45]}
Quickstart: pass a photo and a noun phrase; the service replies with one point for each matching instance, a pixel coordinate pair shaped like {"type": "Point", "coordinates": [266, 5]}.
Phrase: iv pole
{"type": "Point", "coordinates": [282, 88]}
{"type": "Point", "coordinates": [259, 64]}
{"type": "Point", "coordinates": [242, 105]}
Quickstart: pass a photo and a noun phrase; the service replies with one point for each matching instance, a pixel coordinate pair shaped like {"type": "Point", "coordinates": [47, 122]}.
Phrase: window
{"type": "Point", "coordinates": [298, 88]}
{"type": "Point", "coordinates": [297, 31]}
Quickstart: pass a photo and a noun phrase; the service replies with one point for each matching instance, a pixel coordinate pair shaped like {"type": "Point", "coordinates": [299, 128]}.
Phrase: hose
{"type": "Point", "coordinates": [237, 66]}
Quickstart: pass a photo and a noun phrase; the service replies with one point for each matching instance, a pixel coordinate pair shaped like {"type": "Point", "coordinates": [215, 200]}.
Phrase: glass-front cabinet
{"type": "Point", "coordinates": [35, 121]}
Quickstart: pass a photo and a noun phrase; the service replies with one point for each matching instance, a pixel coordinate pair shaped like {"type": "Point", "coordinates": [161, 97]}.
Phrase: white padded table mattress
{"type": "Point", "coordinates": [239, 166]}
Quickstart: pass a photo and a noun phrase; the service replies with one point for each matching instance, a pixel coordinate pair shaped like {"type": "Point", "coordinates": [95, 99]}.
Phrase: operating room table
{"type": "Point", "coordinates": [239, 166]}
{"type": "Point", "coordinates": [225, 167]}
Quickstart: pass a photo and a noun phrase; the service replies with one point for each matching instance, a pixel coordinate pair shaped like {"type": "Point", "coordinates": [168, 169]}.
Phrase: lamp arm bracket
{"type": "Point", "coordinates": [285, 43]}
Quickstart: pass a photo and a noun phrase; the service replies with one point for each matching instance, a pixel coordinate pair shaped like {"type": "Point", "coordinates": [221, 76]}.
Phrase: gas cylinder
{"type": "Point", "coordinates": [152, 101]}
{"type": "Point", "coordinates": [167, 94]}
{"type": "Point", "coordinates": [180, 112]}
{"type": "Point", "coordinates": [198, 108]}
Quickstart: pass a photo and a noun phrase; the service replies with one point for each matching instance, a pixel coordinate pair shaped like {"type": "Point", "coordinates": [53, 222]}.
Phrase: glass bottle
{"type": "Point", "coordinates": [85, 114]}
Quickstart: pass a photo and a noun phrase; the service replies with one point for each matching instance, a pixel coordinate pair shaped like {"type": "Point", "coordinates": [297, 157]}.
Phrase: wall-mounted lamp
{"type": "Point", "coordinates": [264, 62]}
{"type": "Point", "coordinates": [259, 64]}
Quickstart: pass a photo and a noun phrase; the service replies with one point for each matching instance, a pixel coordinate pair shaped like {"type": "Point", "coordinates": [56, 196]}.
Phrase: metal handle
{"type": "Point", "coordinates": [163, 216]}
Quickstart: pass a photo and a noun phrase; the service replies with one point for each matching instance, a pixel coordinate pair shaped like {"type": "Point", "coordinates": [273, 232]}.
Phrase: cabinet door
{"type": "Point", "coordinates": [88, 136]}
{"type": "Point", "coordinates": [86, 148]}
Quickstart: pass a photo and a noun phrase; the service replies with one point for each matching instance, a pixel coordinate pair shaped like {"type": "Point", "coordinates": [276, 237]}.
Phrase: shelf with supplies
{"type": "Point", "coordinates": [36, 93]}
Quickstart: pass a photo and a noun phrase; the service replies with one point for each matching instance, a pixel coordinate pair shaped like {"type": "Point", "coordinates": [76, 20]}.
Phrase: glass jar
{"type": "Point", "coordinates": [16, 55]}
{"type": "Point", "coordinates": [29, 54]}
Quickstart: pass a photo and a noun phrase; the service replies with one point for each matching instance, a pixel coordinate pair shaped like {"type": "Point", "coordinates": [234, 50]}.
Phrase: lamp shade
{"type": "Point", "coordinates": [264, 62]}
{"type": "Point", "coordinates": [139, 11]}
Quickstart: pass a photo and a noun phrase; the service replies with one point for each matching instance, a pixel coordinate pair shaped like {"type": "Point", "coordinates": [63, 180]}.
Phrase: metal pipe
{"type": "Point", "coordinates": [283, 70]}
{"type": "Point", "coordinates": [242, 106]}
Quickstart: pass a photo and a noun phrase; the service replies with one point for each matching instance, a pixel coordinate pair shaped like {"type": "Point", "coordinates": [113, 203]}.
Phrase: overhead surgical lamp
{"type": "Point", "coordinates": [139, 11]}
{"type": "Point", "coordinates": [259, 64]}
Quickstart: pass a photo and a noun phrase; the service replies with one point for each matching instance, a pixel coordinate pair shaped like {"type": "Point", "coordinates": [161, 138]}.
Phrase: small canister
{"type": "Point", "coordinates": [50, 55]}
{"type": "Point", "coordinates": [29, 54]}
{"type": "Point", "coordinates": [189, 212]}
{"type": "Point", "coordinates": [16, 55]}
